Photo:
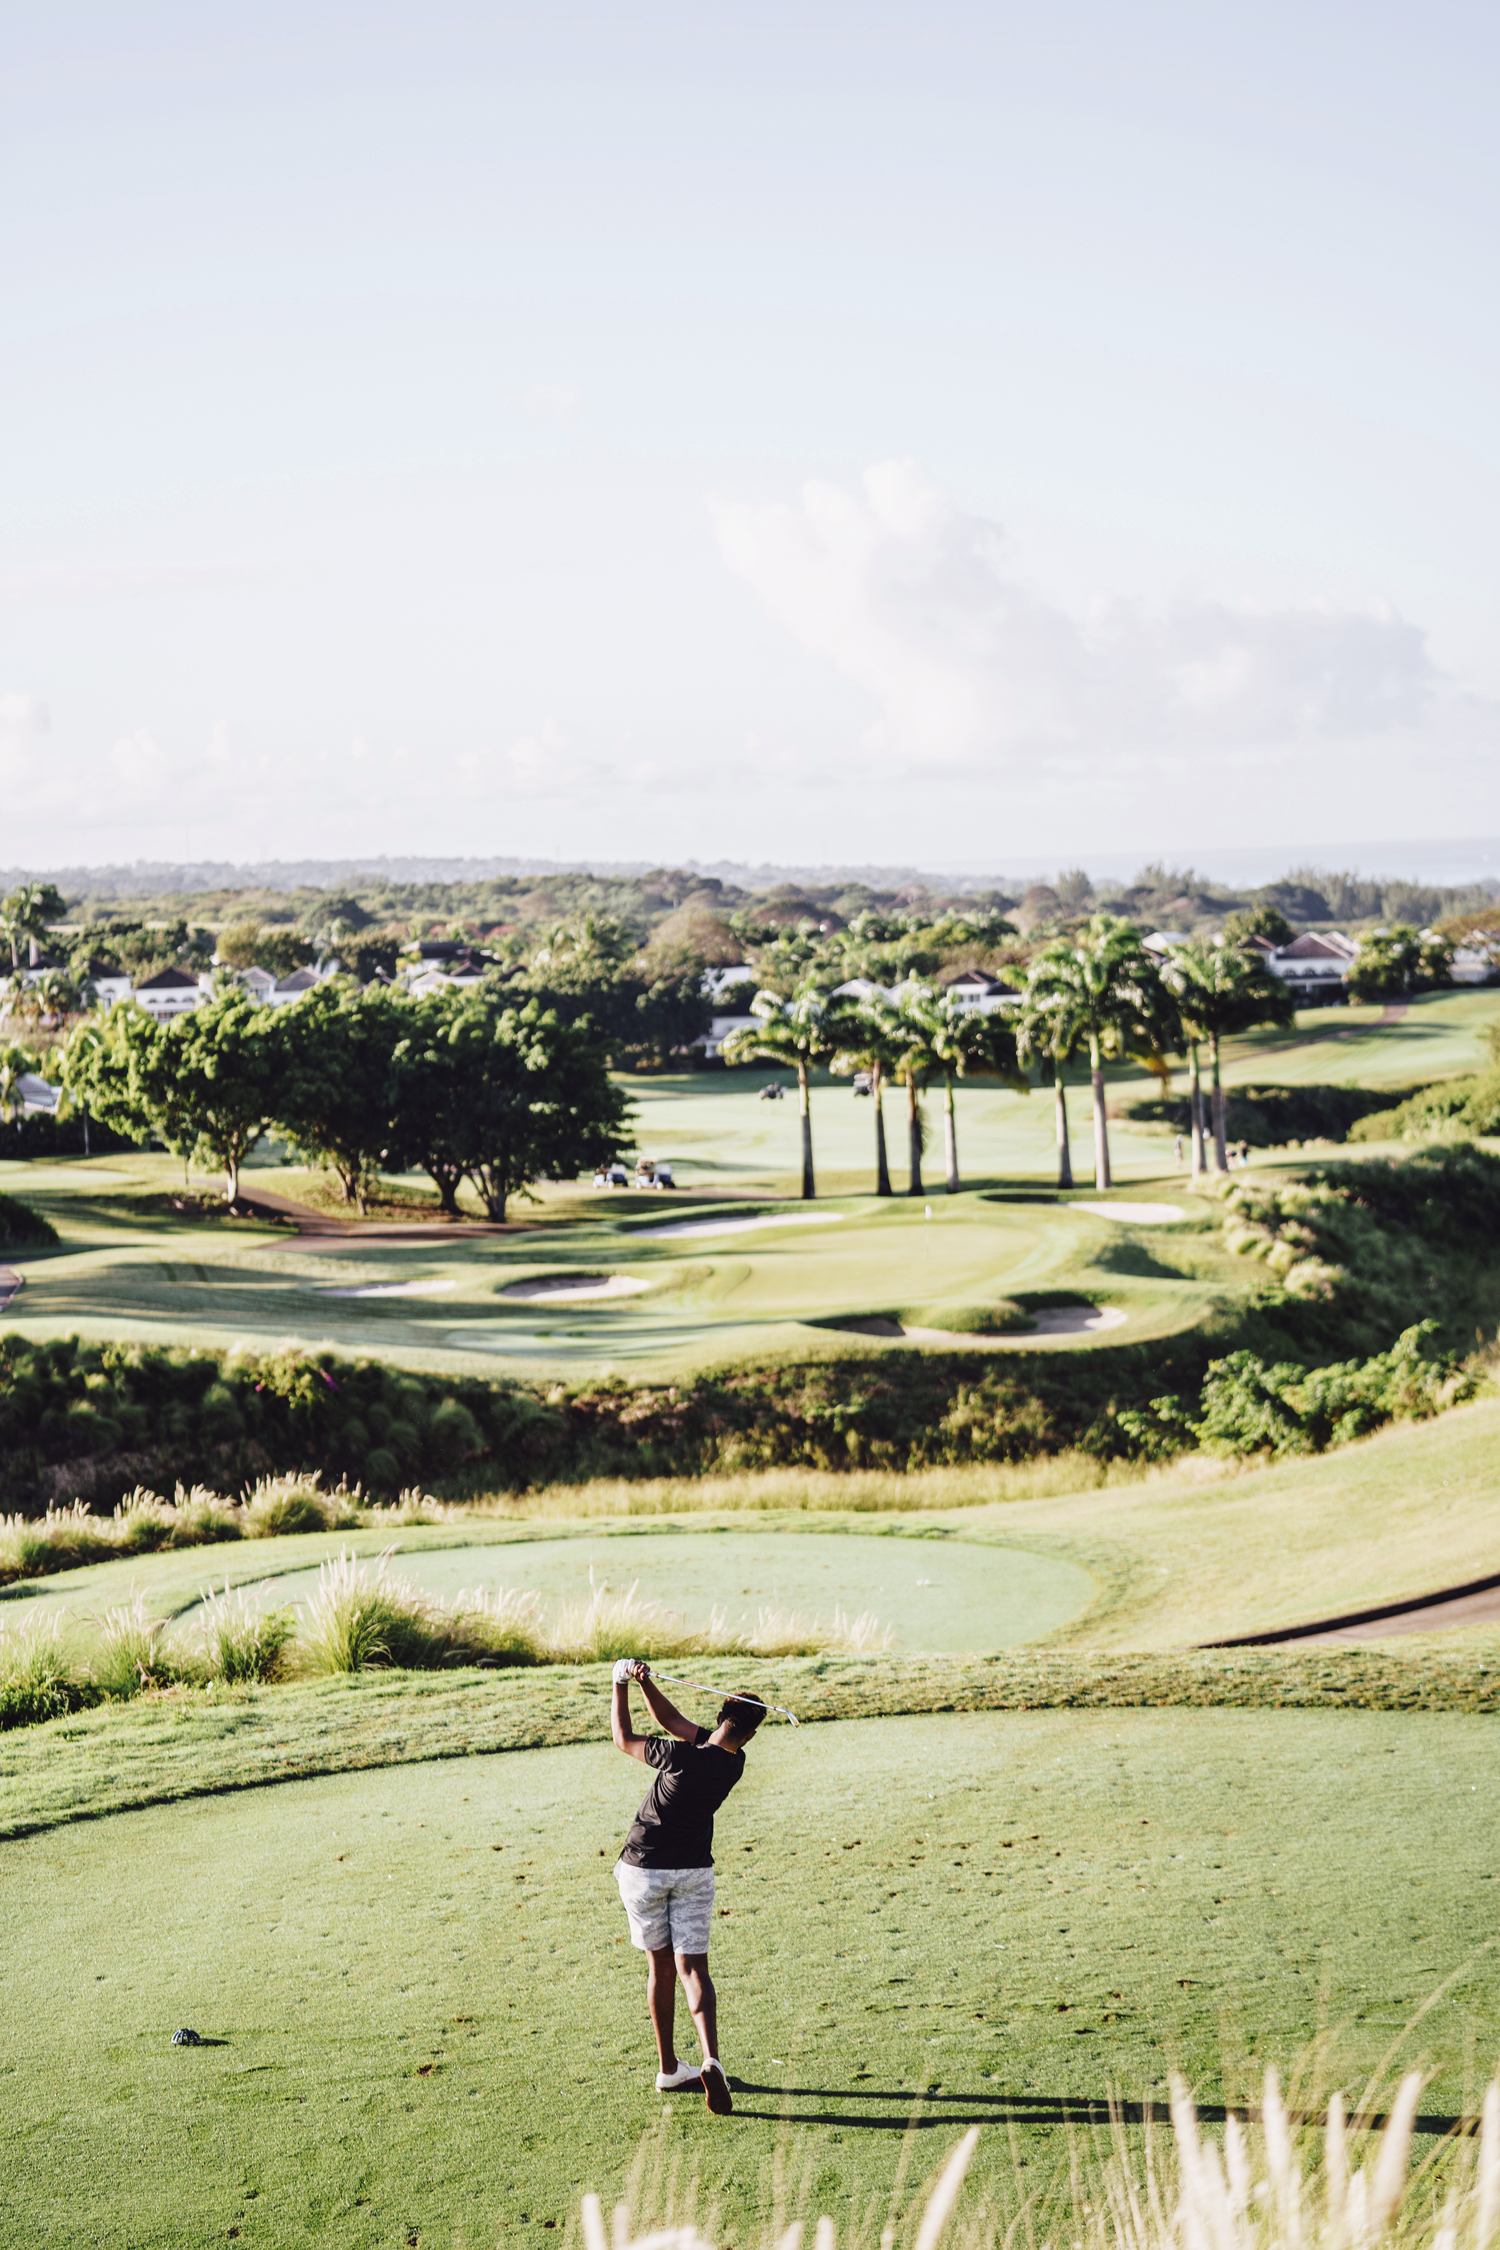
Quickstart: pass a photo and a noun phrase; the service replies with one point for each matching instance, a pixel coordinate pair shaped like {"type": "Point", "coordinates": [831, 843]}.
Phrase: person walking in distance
{"type": "Point", "coordinates": [666, 1868]}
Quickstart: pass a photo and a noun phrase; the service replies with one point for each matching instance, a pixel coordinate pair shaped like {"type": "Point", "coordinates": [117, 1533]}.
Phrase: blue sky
{"type": "Point", "coordinates": [943, 434]}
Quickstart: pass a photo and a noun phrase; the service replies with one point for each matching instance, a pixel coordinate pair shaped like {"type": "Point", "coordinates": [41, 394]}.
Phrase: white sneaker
{"type": "Point", "coordinates": [672, 2082]}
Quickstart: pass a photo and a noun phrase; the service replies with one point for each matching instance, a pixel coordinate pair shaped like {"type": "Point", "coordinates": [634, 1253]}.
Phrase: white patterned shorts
{"type": "Point", "coordinates": [668, 1906]}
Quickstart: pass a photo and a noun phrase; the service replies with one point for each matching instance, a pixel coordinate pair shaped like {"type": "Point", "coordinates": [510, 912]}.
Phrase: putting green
{"type": "Point", "coordinates": [425, 2037]}
{"type": "Point", "coordinates": [937, 1596]}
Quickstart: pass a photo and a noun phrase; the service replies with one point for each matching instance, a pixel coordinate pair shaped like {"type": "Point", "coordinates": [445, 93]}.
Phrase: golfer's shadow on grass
{"type": "Point", "coordinates": [939, 2112]}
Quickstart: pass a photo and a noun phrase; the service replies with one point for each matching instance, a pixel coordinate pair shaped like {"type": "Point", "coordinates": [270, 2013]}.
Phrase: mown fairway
{"type": "Point", "coordinates": [734, 1284]}
{"type": "Point", "coordinates": [131, 1266]}
{"type": "Point", "coordinates": [428, 2037]}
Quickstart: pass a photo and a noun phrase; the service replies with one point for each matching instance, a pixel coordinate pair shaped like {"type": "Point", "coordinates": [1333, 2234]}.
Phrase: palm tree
{"type": "Point", "coordinates": [25, 913]}
{"type": "Point", "coordinates": [1037, 1035]}
{"type": "Point", "coordinates": [793, 1032]}
{"type": "Point", "coordinates": [867, 1036]}
{"type": "Point", "coordinates": [1100, 990]}
{"type": "Point", "coordinates": [16, 1062]}
{"type": "Point", "coordinates": [917, 1061]}
{"type": "Point", "coordinates": [1219, 990]}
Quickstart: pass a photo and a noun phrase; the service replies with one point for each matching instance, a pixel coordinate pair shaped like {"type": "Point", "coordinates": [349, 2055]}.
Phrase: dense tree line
{"type": "Point", "coordinates": [480, 1084]}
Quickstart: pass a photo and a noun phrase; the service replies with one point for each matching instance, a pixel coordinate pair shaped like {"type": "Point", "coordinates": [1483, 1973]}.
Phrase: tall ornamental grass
{"type": "Point", "coordinates": [237, 1642]}
{"type": "Point", "coordinates": [1275, 2182]}
{"type": "Point", "coordinates": [363, 1615]}
{"type": "Point", "coordinates": [144, 1523]}
{"type": "Point", "coordinates": [36, 1678]}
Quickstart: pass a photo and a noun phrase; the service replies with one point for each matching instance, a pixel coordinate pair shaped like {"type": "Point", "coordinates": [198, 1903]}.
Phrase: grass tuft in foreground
{"type": "Point", "coordinates": [1277, 2183]}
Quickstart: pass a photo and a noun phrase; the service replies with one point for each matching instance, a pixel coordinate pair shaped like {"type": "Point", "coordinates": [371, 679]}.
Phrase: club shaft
{"type": "Point", "coordinates": [674, 1679]}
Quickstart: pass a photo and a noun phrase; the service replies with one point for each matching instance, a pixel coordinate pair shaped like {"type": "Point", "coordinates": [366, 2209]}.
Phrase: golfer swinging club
{"type": "Point", "coordinates": [666, 1870]}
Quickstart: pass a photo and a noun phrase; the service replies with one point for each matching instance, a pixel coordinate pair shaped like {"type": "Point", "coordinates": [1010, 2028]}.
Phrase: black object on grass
{"type": "Point", "coordinates": [186, 2038]}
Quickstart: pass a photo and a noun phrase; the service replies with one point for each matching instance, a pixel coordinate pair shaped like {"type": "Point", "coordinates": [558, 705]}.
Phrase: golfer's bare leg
{"type": "Point", "coordinates": [703, 2001]}
{"type": "Point", "coordinates": [661, 1999]}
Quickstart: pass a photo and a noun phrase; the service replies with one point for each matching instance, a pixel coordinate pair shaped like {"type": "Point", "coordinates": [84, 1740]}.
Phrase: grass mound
{"type": "Point", "coordinates": [23, 1228]}
{"type": "Point", "coordinates": [1002, 1318]}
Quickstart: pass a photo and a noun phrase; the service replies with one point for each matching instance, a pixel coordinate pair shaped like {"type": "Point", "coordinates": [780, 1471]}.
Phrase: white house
{"type": "Point", "coordinates": [286, 989]}
{"type": "Point", "coordinates": [171, 992]}
{"type": "Point", "coordinates": [38, 1099]}
{"type": "Point", "coordinates": [1474, 962]}
{"type": "Point", "coordinates": [980, 994]}
{"type": "Point", "coordinates": [462, 967]}
{"type": "Point", "coordinates": [1315, 966]}
{"type": "Point", "coordinates": [717, 981]}
{"type": "Point", "coordinates": [711, 1041]}
{"type": "Point", "coordinates": [258, 982]}
{"type": "Point", "coordinates": [110, 984]}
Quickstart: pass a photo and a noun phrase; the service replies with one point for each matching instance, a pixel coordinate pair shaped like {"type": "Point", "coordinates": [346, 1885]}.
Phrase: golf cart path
{"type": "Point", "coordinates": [1476, 1603]}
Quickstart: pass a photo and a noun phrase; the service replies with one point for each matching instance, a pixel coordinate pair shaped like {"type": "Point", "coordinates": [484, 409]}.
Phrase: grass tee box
{"type": "Point", "coordinates": [424, 2023]}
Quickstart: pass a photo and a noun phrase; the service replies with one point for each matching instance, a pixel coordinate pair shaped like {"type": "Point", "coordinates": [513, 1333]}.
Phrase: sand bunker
{"type": "Point", "coordinates": [392, 1289]}
{"type": "Point", "coordinates": [568, 1288]}
{"type": "Point", "coordinates": [738, 1226]}
{"type": "Point", "coordinates": [1056, 1320]}
{"type": "Point", "coordinates": [1133, 1214]}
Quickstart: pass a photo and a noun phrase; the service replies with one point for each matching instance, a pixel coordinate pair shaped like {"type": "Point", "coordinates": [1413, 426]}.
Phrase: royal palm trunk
{"type": "Point", "coordinates": [882, 1168]}
{"type": "Point", "coordinates": [1221, 1151]}
{"type": "Point", "coordinates": [913, 1137]}
{"type": "Point", "coordinates": [1060, 1118]}
{"type": "Point", "coordinates": [950, 1138]}
{"type": "Point", "coordinates": [1195, 1114]}
{"type": "Point", "coordinates": [1101, 1126]}
{"type": "Point", "coordinates": [809, 1185]}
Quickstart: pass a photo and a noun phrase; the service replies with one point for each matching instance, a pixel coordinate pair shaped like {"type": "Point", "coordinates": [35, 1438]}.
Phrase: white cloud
{"type": "Point", "coordinates": [24, 720]}
{"type": "Point", "coordinates": [973, 668]}
{"type": "Point", "coordinates": [140, 762]}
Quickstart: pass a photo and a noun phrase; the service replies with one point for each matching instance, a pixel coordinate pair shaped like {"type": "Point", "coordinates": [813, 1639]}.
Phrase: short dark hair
{"type": "Point", "coordinates": [742, 1712]}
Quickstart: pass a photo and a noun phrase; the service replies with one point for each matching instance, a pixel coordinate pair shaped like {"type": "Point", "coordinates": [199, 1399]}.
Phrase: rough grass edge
{"type": "Point", "coordinates": [126, 1756]}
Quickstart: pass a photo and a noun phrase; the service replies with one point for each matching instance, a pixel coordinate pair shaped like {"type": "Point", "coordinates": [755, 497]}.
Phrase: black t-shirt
{"type": "Point", "coordinates": [675, 1825]}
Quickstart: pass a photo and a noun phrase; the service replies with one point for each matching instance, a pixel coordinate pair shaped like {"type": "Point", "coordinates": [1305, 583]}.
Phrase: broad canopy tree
{"type": "Point", "coordinates": [340, 1099]}
{"type": "Point", "coordinates": [503, 1094]}
{"type": "Point", "coordinates": [208, 1082]}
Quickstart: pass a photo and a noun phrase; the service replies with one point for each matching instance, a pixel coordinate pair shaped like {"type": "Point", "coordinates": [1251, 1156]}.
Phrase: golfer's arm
{"type": "Point", "coordinates": [625, 1737]}
{"type": "Point", "coordinates": [667, 1714]}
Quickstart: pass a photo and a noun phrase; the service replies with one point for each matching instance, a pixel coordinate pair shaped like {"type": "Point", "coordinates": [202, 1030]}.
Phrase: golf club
{"type": "Point", "coordinates": [674, 1679]}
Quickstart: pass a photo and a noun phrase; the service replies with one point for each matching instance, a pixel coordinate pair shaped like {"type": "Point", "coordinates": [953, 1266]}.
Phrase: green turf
{"type": "Point", "coordinates": [426, 2038]}
{"type": "Point", "coordinates": [129, 1266]}
{"type": "Point", "coordinates": [1176, 1559]}
{"type": "Point", "coordinates": [124, 1270]}
{"type": "Point", "coordinates": [940, 1599]}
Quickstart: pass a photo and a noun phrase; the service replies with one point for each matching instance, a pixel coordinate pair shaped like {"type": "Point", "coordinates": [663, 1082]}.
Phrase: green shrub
{"type": "Point", "coordinates": [1001, 1318]}
{"type": "Point", "coordinates": [20, 1226]}
{"type": "Point", "coordinates": [1454, 1106]}
{"type": "Point", "coordinates": [1276, 1116]}
{"type": "Point", "coordinates": [1249, 1407]}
